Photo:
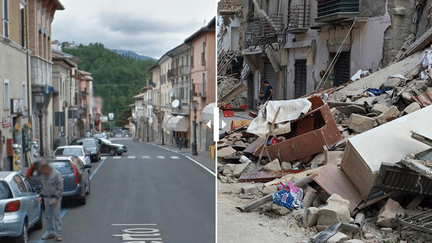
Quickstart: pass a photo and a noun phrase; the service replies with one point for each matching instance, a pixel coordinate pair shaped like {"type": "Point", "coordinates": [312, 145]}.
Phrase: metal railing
{"type": "Point", "coordinates": [299, 17]}
{"type": "Point", "coordinates": [265, 29]}
{"type": "Point", "coordinates": [329, 7]}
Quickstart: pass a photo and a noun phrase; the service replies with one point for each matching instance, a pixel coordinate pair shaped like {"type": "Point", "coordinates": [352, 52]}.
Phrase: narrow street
{"type": "Point", "coordinates": [148, 190]}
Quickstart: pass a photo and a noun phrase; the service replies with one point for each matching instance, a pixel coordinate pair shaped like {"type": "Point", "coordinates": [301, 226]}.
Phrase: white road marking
{"type": "Point", "coordinates": [117, 157]}
{"type": "Point", "coordinates": [160, 157]}
{"type": "Point", "coordinates": [104, 157]}
{"type": "Point", "coordinates": [131, 157]}
{"type": "Point", "coordinates": [175, 157]}
{"type": "Point", "coordinates": [134, 224]}
{"type": "Point", "coordinates": [146, 157]}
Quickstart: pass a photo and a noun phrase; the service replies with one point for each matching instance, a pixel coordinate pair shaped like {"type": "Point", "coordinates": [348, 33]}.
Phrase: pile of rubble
{"type": "Point", "coordinates": [357, 157]}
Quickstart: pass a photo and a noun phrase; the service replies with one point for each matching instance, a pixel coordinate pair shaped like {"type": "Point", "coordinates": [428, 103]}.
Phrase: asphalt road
{"type": "Point", "coordinates": [146, 195]}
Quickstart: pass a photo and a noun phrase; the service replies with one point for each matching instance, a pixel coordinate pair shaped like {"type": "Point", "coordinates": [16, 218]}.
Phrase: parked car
{"type": "Point", "coordinates": [90, 145]}
{"type": "Point", "coordinates": [74, 150]}
{"type": "Point", "coordinates": [20, 207]}
{"type": "Point", "coordinates": [76, 177]}
{"type": "Point", "coordinates": [111, 148]}
{"type": "Point", "coordinates": [102, 135]}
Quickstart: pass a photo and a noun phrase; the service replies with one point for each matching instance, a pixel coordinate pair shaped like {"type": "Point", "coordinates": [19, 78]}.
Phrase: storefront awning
{"type": "Point", "coordinates": [207, 113]}
{"type": "Point", "coordinates": [165, 121]}
{"type": "Point", "coordinates": [178, 124]}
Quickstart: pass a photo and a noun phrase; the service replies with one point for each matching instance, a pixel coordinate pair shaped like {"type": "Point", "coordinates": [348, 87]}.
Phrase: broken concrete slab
{"type": "Point", "coordinates": [280, 209]}
{"type": "Point", "coordinates": [360, 124]}
{"type": "Point", "coordinates": [250, 189]}
{"type": "Point", "coordinates": [388, 212]}
{"type": "Point", "coordinates": [224, 152]}
{"type": "Point", "coordinates": [411, 108]}
{"type": "Point", "coordinates": [240, 169]}
{"type": "Point", "coordinates": [272, 166]}
{"type": "Point", "coordinates": [335, 211]}
{"type": "Point", "coordinates": [389, 115]}
{"type": "Point", "coordinates": [229, 169]}
{"type": "Point", "coordinates": [338, 238]}
{"type": "Point", "coordinates": [308, 218]}
{"type": "Point", "coordinates": [269, 190]}
{"type": "Point", "coordinates": [379, 108]}
{"type": "Point", "coordinates": [309, 196]}
{"type": "Point", "coordinates": [286, 166]}
{"type": "Point", "coordinates": [417, 166]}
{"type": "Point", "coordinates": [350, 109]}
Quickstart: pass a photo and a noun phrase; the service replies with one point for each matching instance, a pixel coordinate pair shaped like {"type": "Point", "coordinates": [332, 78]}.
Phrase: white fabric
{"type": "Point", "coordinates": [207, 113]}
{"type": "Point", "coordinates": [165, 121]}
{"type": "Point", "coordinates": [178, 124]}
{"type": "Point", "coordinates": [290, 110]}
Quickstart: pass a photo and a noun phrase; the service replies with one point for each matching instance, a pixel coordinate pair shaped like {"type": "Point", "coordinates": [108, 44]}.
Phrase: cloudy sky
{"type": "Point", "coordinates": [147, 27]}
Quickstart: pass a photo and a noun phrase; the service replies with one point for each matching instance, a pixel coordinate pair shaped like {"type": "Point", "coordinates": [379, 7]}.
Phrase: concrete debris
{"type": "Point", "coordinates": [389, 115]}
{"type": "Point", "coordinates": [379, 108]}
{"type": "Point", "coordinates": [249, 189]}
{"type": "Point", "coordinates": [272, 166]}
{"type": "Point", "coordinates": [388, 212]}
{"type": "Point", "coordinates": [411, 108]}
{"type": "Point", "coordinates": [269, 190]}
{"type": "Point", "coordinates": [280, 209]}
{"type": "Point", "coordinates": [354, 241]}
{"type": "Point", "coordinates": [338, 238]}
{"type": "Point", "coordinates": [240, 169]}
{"type": "Point", "coordinates": [335, 211]}
{"type": "Point", "coordinates": [359, 123]}
{"type": "Point", "coordinates": [309, 218]}
{"type": "Point", "coordinates": [286, 166]}
{"type": "Point", "coordinates": [229, 169]}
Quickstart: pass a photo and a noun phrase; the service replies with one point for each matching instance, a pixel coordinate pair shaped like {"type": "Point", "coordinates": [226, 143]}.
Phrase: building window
{"type": "Point", "coordinates": [203, 54]}
{"type": "Point", "coordinates": [203, 87]}
{"type": "Point", "coordinates": [6, 95]}
{"type": "Point", "coordinates": [22, 25]}
{"type": "Point", "coordinates": [192, 57]}
{"type": "Point", "coordinates": [24, 94]}
{"type": "Point", "coordinates": [6, 18]}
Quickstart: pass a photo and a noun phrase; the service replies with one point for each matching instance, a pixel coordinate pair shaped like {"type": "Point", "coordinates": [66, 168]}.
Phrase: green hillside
{"type": "Point", "coordinates": [116, 78]}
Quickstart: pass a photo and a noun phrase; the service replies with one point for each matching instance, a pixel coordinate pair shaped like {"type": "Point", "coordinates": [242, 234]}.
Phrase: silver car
{"type": "Point", "coordinates": [74, 150]}
{"type": "Point", "coordinates": [20, 207]}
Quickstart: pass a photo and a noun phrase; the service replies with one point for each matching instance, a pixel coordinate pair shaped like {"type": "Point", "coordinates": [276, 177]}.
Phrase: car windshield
{"type": "Point", "coordinates": [105, 141]}
{"type": "Point", "coordinates": [69, 151]}
{"type": "Point", "coordinates": [90, 143]}
{"type": "Point", "coordinates": [5, 192]}
{"type": "Point", "coordinates": [63, 166]}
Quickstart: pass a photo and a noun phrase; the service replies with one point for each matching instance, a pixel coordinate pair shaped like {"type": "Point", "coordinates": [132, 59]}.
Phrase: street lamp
{"type": "Point", "coordinates": [39, 98]}
{"type": "Point", "coordinates": [194, 143]}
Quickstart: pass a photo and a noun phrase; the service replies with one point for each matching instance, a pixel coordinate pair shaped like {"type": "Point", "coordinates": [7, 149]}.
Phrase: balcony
{"type": "Point", "coordinates": [336, 10]}
{"type": "Point", "coordinates": [299, 19]}
{"type": "Point", "coordinates": [172, 73]}
{"type": "Point", "coordinates": [265, 30]}
{"type": "Point", "coordinates": [184, 70]}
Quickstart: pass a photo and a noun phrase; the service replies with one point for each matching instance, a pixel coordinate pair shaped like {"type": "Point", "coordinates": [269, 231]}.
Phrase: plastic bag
{"type": "Point", "coordinates": [288, 197]}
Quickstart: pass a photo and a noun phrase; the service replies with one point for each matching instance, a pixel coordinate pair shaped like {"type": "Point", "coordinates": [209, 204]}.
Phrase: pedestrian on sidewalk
{"type": "Point", "coordinates": [52, 187]}
{"type": "Point", "coordinates": [180, 143]}
{"type": "Point", "coordinates": [268, 92]}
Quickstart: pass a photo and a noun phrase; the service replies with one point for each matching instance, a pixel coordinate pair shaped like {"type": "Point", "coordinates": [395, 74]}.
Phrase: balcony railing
{"type": "Point", "coordinates": [299, 18]}
{"type": "Point", "coordinates": [334, 10]}
{"type": "Point", "coordinates": [184, 70]}
{"type": "Point", "coordinates": [265, 29]}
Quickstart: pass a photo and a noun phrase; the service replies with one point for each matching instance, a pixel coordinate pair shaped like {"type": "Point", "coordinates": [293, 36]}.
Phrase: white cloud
{"type": "Point", "coordinates": [149, 28]}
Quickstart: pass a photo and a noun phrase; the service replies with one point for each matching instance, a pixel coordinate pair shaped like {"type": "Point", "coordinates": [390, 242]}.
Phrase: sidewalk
{"type": "Point", "coordinates": [202, 157]}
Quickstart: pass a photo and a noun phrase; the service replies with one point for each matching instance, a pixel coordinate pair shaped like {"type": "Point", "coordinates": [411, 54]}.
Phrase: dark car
{"type": "Point", "coordinates": [76, 177]}
{"type": "Point", "coordinates": [111, 148]}
{"type": "Point", "coordinates": [91, 145]}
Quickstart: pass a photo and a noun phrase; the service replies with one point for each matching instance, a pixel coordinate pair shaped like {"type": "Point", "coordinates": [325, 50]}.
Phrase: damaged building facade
{"type": "Point", "coordinates": [297, 44]}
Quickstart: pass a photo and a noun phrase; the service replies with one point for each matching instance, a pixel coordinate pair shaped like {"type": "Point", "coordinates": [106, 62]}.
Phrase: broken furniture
{"type": "Point", "coordinates": [421, 221]}
{"type": "Point", "coordinates": [308, 134]}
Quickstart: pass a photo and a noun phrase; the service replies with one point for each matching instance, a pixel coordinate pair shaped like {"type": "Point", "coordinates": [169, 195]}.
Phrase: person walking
{"type": "Point", "coordinates": [268, 93]}
{"type": "Point", "coordinates": [52, 187]}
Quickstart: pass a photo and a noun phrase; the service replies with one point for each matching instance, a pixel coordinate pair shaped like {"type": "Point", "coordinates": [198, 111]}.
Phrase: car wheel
{"type": "Point", "coordinates": [112, 152]}
{"type": "Point", "coordinates": [120, 153]}
{"type": "Point", "coordinates": [23, 238]}
{"type": "Point", "coordinates": [39, 225]}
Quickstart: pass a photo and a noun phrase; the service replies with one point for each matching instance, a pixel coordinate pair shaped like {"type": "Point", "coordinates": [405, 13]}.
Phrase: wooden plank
{"type": "Point", "coordinates": [266, 175]}
{"type": "Point", "coordinates": [415, 202]}
{"type": "Point", "coordinates": [333, 180]}
{"type": "Point", "coordinates": [375, 200]}
{"type": "Point", "coordinates": [298, 176]}
{"type": "Point", "coordinates": [268, 198]}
